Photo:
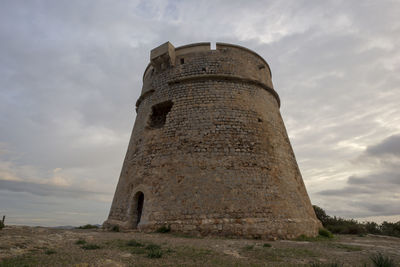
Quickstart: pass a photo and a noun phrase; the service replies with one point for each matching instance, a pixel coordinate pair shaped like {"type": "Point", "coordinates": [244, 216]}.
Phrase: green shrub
{"type": "Point", "coordinates": [266, 245]}
{"type": "Point", "coordinates": [90, 247]}
{"type": "Point", "coordinates": [2, 222]}
{"type": "Point", "coordinates": [152, 246]}
{"type": "Point", "coordinates": [302, 238]}
{"type": "Point", "coordinates": [372, 228]}
{"type": "Point", "coordinates": [138, 250]}
{"type": "Point", "coordinates": [326, 264]}
{"type": "Point", "coordinates": [325, 233]}
{"type": "Point", "coordinates": [88, 226]}
{"type": "Point", "coordinates": [249, 247]}
{"type": "Point", "coordinates": [339, 225]}
{"type": "Point", "coordinates": [50, 251]}
{"type": "Point", "coordinates": [164, 229]}
{"type": "Point", "coordinates": [380, 260]}
{"type": "Point", "coordinates": [80, 241]}
{"type": "Point", "coordinates": [321, 215]}
{"type": "Point", "coordinates": [183, 235]}
{"type": "Point", "coordinates": [154, 251]}
{"type": "Point", "coordinates": [392, 229]}
{"type": "Point", "coordinates": [312, 239]}
{"type": "Point", "coordinates": [348, 248]}
{"type": "Point", "coordinates": [19, 261]}
{"type": "Point", "coordinates": [134, 243]}
{"type": "Point", "coordinates": [115, 228]}
{"type": "Point", "coordinates": [345, 226]}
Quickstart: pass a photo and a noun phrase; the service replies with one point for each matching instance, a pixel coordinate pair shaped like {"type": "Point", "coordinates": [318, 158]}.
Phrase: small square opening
{"type": "Point", "coordinates": [182, 61]}
{"type": "Point", "coordinates": [159, 114]}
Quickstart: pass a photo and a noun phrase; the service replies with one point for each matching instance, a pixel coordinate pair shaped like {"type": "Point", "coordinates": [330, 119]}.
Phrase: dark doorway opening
{"type": "Point", "coordinates": [138, 200]}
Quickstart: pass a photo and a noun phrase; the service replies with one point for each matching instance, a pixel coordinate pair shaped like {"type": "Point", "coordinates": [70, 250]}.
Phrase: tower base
{"type": "Point", "coordinates": [255, 228]}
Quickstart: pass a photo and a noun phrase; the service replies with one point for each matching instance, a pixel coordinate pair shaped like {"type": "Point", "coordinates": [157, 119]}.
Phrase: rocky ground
{"type": "Point", "coordinates": [39, 246]}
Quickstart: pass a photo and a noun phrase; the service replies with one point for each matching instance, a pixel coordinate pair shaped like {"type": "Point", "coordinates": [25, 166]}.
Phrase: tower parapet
{"type": "Point", "coordinates": [198, 62]}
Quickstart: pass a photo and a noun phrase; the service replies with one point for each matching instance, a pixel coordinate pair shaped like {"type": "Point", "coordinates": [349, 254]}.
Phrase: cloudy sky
{"type": "Point", "coordinates": [70, 74]}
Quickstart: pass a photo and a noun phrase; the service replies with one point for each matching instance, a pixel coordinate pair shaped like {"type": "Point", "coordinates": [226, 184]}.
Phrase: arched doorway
{"type": "Point", "coordinates": [138, 202]}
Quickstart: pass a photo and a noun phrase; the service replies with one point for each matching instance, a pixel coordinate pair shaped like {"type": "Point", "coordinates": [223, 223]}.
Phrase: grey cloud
{"type": "Point", "coordinates": [347, 191]}
{"type": "Point", "coordinates": [385, 208]}
{"type": "Point", "coordinates": [389, 146]}
{"type": "Point", "coordinates": [375, 193]}
{"type": "Point", "coordinates": [385, 178]}
{"type": "Point", "coordinates": [373, 184]}
{"type": "Point", "coordinates": [28, 209]}
{"type": "Point", "coordinates": [45, 189]}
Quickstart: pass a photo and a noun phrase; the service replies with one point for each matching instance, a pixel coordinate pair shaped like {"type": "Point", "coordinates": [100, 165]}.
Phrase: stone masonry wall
{"type": "Point", "coordinates": [222, 163]}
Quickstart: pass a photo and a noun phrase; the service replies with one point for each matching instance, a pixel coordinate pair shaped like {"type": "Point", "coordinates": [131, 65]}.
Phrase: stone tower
{"type": "Point", "coordinates": [209, 153]}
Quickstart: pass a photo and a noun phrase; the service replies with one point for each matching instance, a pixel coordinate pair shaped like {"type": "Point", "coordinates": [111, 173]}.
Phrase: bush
{"type": "Point", "coordinates": [88, 226]}
{"type": "Point", "coordinates": [325, 233]}
{"type": "Point", "coordinates": [115, 228]}
{"type": "Point", "coordinates": [339, 225]}
{"type": "Point", "coordinates": [134, 243]}
{"type": "Point", "coordinates": [392, 229]}
{"type": "Point", "coordinates": [154, 251]}
{"type": "Point", "coordinates": [303, 238]}
{"type": "Point", "coordinates": [372, 228]}
{"type": "Point", "coordinates": [317, 238]}
{"type": "Point", "coordinates": [90, 247]}
{"type": "Point", "coordinates": [164, 229]}
{"type": "Point", "coordinates": [80, 242]}
{"type": "Point", "coordinates": [380, 260]}
{"type": "Point", "coordinates": [249, 247]}
{"type": "Point", "coordinates": [19, 261]}
{"type": "Point", "coordinates": [266, 245]}
{"type": "Point", "coordinates": [326, 264]}
{"type": "Point", "coordinates": [153, 246]}
{"type": "Point", "coordinates": [50, 251]}
{"type": "Point", "coordinates": [321, 215]}
{"type": "Point", "coordinates": [2, 222]}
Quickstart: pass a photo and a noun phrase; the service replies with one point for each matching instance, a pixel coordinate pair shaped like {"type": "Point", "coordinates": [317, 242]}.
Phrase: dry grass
{"type": "Point", "coordinates": [92, 247]}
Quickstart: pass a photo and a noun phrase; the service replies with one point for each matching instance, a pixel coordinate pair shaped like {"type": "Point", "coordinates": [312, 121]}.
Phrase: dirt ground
{"type": "Point", "coordinates": [39, 246]}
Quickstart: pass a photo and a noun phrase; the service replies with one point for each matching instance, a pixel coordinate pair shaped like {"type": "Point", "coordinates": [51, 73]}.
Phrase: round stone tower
{"type": "Point", "coordinates": [209, 153]}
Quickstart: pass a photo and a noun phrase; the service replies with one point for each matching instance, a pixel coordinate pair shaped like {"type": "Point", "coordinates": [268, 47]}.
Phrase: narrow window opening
{"type": "Point", "coordinates": [204, 69]}
{"type": "Point", "coordinates": [259, 120]}
{"type": "Point", "coordinates": [159, 114]}
{"type": "Point", "coordinates": [182, 61]}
